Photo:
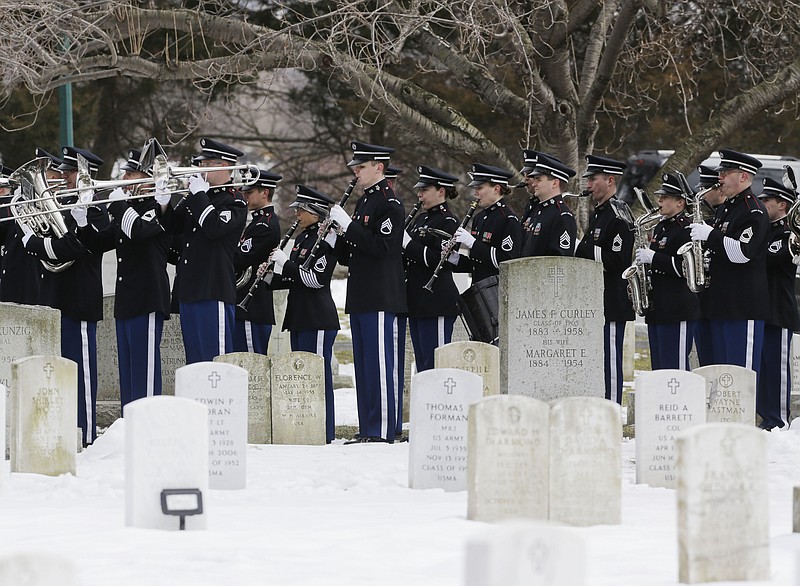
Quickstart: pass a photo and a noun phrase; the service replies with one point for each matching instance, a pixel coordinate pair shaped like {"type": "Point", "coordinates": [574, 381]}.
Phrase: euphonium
{"type": "Point", "coordinates": [638, 275]}
{"type": "Point", "coordinates": [35, 197]}
{"type": "Point", "coordinates": [693, 255]}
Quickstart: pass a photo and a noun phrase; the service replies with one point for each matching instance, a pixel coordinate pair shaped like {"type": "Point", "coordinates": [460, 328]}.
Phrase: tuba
{"type": "Point", "coordinates": [35, 206]}
{"type": "Point", "coordinates": [793, 215]}
{"type": "Point", "coordinates": [694, 261]}
{"type": "Point", "coordinates": [638, 275]}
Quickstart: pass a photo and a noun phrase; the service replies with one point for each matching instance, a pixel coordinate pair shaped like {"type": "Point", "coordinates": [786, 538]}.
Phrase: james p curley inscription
{"type": "Point", "coordinates": [551, 327]}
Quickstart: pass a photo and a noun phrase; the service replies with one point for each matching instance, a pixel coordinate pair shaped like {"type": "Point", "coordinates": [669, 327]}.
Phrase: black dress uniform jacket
{"type": "Point", "coordinates": [260, 237]}
{"type": "Point", "coordinates": [673, 302]}
{"type": "Point", "coordinates": [498, 237]}
{"type": "Point", "coordinates": [21, 274]}
{"type": "Point", "coordinates": [78, 290]}
{"type": "Point", "coordinates": [780, 278]}
{"type": "Point", "coordinates": [211, 224]}
{"type": "Point", "coordinates": [610, 228]}
{"type": "Point", "coordinates": [422, 254]}
{"type": "Point", "coordinates": [738, 274]}
{"type": "Point", "coordinates": [530, 208]}
{"type": "Point", "coordinates": [372, 250]}
{"type": "Point", "coordinates": [141, 245]}
{"type": "Point", "coordinates": [551, 230]}
{"type": "Point", "coordinates": [309, 305]}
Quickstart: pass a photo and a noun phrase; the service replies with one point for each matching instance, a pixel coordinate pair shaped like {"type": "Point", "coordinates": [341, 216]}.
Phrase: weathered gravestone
{"type": "Point", "coordinates": [166, 448]}
{"type": "Point", "coordinates": [222, 388]}
{"type": "Point", "coordinates": [37, 569]}
{"type": "Point", "coordinates": [280, 340]}
{"type": "Point", "coordinates": [667, 401]}
{"type": "Point", "coordinates": [551, 327]}
{"type": "Point", "coordinates": [796, 509]}
{"type": "Point", "coordinates": [25, 330]}
{"type": "Point", "coordinates": [507, 462]}
{"type": "Point", "coordinates": [44, 415]}
{"type": "Point", "coordinates": [2, 436]}
{"type": "Point", "coordinates": [478, 357]}
{"type": "Point", "coordinates": [298, 399]}
{"type": "Point", "coordinates": [259, 404]}
{"type": "Point", "coordinates": [525, 554]}
{"type": "Point", "coordinates": [730, 393]}
{"type": "Point", "coordinates": [585, 462]}
{"type": "Point", "coordinates": [437, 452]}
{"type": "Point", "coordinates": [723, 504]}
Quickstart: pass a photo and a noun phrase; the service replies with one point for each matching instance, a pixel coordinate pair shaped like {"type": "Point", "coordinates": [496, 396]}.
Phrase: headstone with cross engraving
{"type": "Point", "coordinates": [507, 459]}
{"type": "Point", "coordinates": [585, 462]}
{"type": "Point", "coordinates": [730, 393]}
{"type": "Point", "coordinates": [551, 327]}
{"type": "Point", "coordinates": [523, 553]}
{"type": "Point", "coordinates": [223, 389]}
{"type": "Point", "coordinates": [437, 452]}
{"type": "Point", "coordinates": [478, 357]}
{"type": "Point", "coordinates": [723, 504]}
{"type": "Point", "coordinates": [37, 569]}
{"type": "Point", "coordinates": [259, 405]}
{"type": "Point", "coordinates": [298, 399]}
{"type": "Point", "coordinates": [44, 411]}
{"type": "Point", "coordinates": [667, 401]}
{"type": "Point", "coordinates": [166, 447]}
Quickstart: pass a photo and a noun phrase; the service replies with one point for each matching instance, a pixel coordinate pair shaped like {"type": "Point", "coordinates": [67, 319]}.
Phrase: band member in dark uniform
{"type": "Point", "coordinates": [370, 244]}
{"type": "Point", "coordinates": [735, 301]}
{"type": "Point", "coordinates": [260, 237]}
{"type": "Point", "coordinates": [551, 228]}
{"type": "Point", "coordinates": [432, 314]}
{"type": "Point", "coordinates": [141, 299]}
{"type": "Point", "coordinates": [78, 289]}
{"type": "Point", "coordinates": [529, 162]}
{"type": "Point", "coordinates": [773, 397]}
{"type": "Point", "coordinates": [311, 315]}
{"type": "Point", "coordinates": [609, 240]}
{"type": "Point", "coordinates": [675, 309]}
{"type": "Point", "coordinates": [211, 219]}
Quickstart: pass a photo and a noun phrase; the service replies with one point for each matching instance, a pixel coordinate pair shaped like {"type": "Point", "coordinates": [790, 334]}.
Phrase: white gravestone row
{"type": "Point", "coordinates": [259, 404]}
{"type": "Point", "coordinates": [723, 506]}
{"type": "Point", "coordinates": [222, 388]}
{"type": "Point", "coordinates": [667, 401]}
{"type": "Point", "coordinates": [730, 393]}
{"type": "Point", "coordinates": [437, 453]}
{"type": "Point", "coordinates": [44, 412]}
{"type": "Point", "coordinates": [525, 554]}
{"type": "Point", "coordinates": [166, 447]}
{"type": "Point", "coordinates": [551, 327]}
{"type": "Point", "coordinates": [477, 357]}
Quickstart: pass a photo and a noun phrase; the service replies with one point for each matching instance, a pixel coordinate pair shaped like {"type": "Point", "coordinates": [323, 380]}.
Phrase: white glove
{"type": "Point", "coordinates": [279, 258]}
{"type": "Point", "coordinates": [406, 238]}
{"type": "Point", "coordinates": [80, 213]}
{"type": "Point", "coordinates": [464, 237]}
{"type": "Point", "coordinates": [118, 194]}
{"type": "Point", "coordinates": [197, 184]}
{"type": "Point", "coordinates": [796, 260]}
{"type": "Point", "coordinates": [700, 231]}
{"type": "Point", "coordinates": [330, 238]}
{"type": "Point", "coordinates": [85, 196]}
{"type": "Point", "coordinates": [644, 256]}
{"type": "Point", "coordinates": [26, 234]}
{"type": "Point", "coordinates": [341, 217]}
{"type": "Point", "coordinates": [453, 258]}
{"type": "Point", "coordinates": [162, 194]}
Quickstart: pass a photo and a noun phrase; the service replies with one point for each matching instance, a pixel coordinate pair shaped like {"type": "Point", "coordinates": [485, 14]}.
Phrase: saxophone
{"type": "Point", "coordinates": [638, 275]}
{"type": "Point", "coordinates": [694, 260]}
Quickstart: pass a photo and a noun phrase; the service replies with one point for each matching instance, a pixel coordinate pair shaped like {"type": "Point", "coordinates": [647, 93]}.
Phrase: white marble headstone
{"type": "Point", "coordinates": [222, 388]}
{"type": "Point", "coordinates": [44, 415]}
{"type": "Point", "coordinates": [478, 357]}
{"type": "Point", "coordinates": [667, 401]}
{"type": "Point", "coordinates": [585, 462]}
{"type": "Point", "coordinates": [259, 403]}
{"type": "Point", "coordinates": [525, 554]}
{"type": "Point", "coordinates": [437, 452]}
{"type": "Point", "coordinates": [166, 447]}
{"type": "Point", "coordinates": [298, 399]}
{"type": "Point", "coordinates": [551, 327]}
{"type": "Point", "coordinates": [730, 393]}
{"type": "Point", "coordinates": [37, 569]}
{"type": "Point", "coordinates": [723, 504]}
{"type": "Point", "coordinates": [508, 458]}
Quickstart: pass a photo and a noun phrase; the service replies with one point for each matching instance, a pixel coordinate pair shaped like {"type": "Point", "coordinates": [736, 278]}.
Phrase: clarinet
{"type": "Point", "coordinates": [411, 215]}
{"type": "Point", "coordinates": [326, 224]}
{"type": "Point", "coordinates": [449, 246]}
{"type": "Point", "coordinates": [265, 267]}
